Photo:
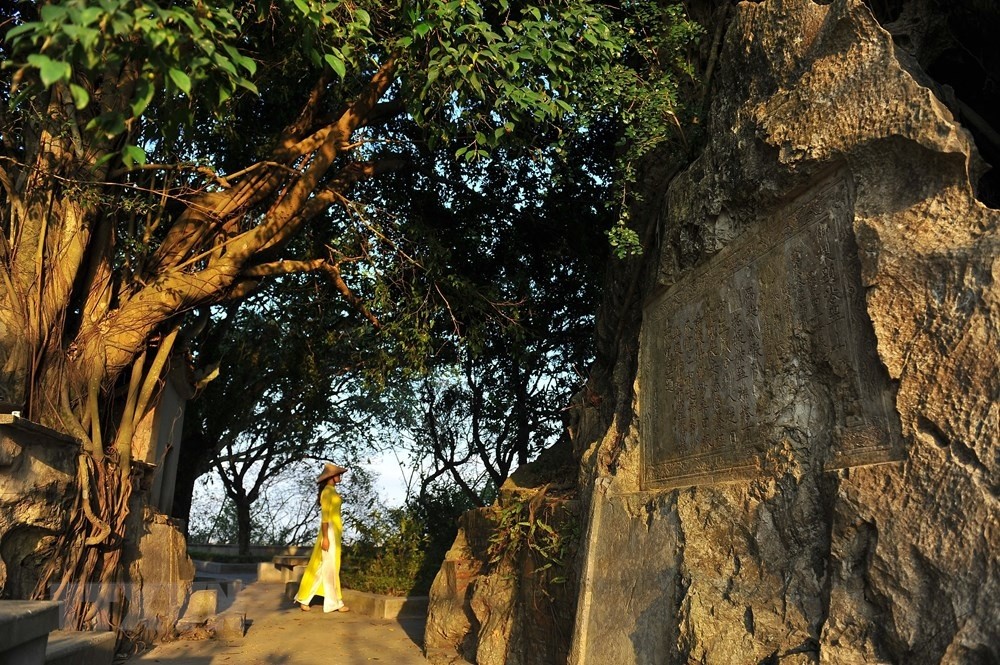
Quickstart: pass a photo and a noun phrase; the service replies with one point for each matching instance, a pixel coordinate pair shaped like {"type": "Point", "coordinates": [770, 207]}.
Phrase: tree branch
{"type": "Point", "coordinates": [330, 268]}
{"type": "Point", "coordinates": [358, 171]}
{"type": "Point", "coordinates": [282, 267]}
{"type": "Point", "coordinates": [333, 272]}
{"type": "Point", "coordinates": [285, 217]}
{"type": "Point", "coordinates": [306, 118]}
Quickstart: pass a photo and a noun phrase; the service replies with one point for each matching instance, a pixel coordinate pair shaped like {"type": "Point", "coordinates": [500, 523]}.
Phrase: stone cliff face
{"type": "Point", "coordinates": [508, 601]}
{"type": "Point", "coordinates": [810, 471]}
{"type": "Point", "coordinates": [790, 448]}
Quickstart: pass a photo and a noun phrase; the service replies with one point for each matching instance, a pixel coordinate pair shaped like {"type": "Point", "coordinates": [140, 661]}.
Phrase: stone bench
{"type": "Point", "coordinates": [290, 560]}
{"type": "Point", "coordinates": [282, 569]}
{"type": "Point", "coordinates": [29, 635]}
{"type": "Point", "coordinates": [215, 567]}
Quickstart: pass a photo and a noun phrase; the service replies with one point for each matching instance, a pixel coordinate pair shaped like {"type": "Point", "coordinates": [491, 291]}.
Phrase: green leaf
{"type": "Point", "coordinates": [474, 82]}
{"type": "Point", "coordinates": [110, 124]}
{"type": "Point", "coordinates": [225, 64]}
{"type": "Point", "coordinates": [248, 64]}
{"type": "Point", "coordinates": [241, 60]}
{"type": "Point", "coordinates": [80, 96]}
{"type": "Point", "coordinates": [336, 64]}
{"type": "Point", "coordinates": [90, 15]}
{"type": "Point", "coordinates": [364, 17]}
{"type": "Point", "coordinates": [52, 13]}
{"type": "Point", "coordinates": [181, 80]}
{"type": "Point", "coordinates": [104, 159]}
{"type": "Point", "coordinates": [422, 29]}
{"type": "Point", "coordinates": [133, 154]}
{"type": "Point", "coordinates": [17, 30]}
{"type": "Point", "coordinates": [50, 70]}
{"type": "Point", "coordinates": [144, 91]}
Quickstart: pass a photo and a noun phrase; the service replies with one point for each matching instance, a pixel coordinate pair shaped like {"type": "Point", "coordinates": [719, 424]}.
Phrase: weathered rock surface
{"type": "Point", "coordinates": [512, 605]}
{"type": "Point", "coordinates": [795, 560]}
{"type": "Point", "coordinates": [37, 485]}
{"type": "Point", "coordinates": [38, 490]}
{"type": "Point", "coordinates": [452, 626]}
{"type": "Point", "coordinates": [159, 573]}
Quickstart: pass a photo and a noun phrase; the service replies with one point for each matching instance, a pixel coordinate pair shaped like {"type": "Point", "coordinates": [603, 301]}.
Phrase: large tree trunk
{"type": "Point", "coordinates": [87, 327]}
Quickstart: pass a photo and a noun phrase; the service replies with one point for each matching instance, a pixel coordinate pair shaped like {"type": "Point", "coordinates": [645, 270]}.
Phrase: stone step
{"type": "Point", "coordinates": [385, 607]}
{"type": "Point", "coordinates": [24, 629]}
{"type": "Point", "coordinates": [70, 647]}
{"type": "Point", "coordinates": [208, 608]}
{"type": "Point", "coordinates": [225, 590]}
{"type": "Point", "coordinates": [201, 606]}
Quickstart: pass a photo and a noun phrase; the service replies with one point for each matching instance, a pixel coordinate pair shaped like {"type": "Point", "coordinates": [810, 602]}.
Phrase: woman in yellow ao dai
{"type": "Point", "coordinates": [322, 574]}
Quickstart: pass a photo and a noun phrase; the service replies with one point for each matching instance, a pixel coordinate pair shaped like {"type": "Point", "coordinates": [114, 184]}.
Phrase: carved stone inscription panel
{"type": "Point", "coordinates": [768, 339]}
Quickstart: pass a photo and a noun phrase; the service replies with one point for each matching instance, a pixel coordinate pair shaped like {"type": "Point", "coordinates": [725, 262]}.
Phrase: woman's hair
{"type": "Point", "coordinates": [322, 486]}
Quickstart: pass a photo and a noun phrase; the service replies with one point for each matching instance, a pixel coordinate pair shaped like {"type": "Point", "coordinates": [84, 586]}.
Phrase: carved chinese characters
{"type": "Point", "coordinates": [767, 340]}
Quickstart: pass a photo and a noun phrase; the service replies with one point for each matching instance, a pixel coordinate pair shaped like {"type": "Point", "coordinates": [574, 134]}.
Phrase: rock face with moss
{"type": "Point", "coordinates": [808, 469]}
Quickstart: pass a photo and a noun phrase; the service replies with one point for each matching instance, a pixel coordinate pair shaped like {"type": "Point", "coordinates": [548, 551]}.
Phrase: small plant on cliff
{"type": "Point", "coordinates": [531, 528]}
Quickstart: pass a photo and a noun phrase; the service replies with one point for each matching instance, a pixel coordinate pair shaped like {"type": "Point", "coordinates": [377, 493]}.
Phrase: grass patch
{"type": "Point", "coordinates": [386, 572]}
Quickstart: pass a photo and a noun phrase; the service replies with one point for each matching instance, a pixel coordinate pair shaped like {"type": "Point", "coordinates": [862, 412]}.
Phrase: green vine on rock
{"type": "Point", "coordinates": [534, 528]}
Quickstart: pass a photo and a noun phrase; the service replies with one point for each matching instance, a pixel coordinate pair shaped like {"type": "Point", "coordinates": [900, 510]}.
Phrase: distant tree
{"type": "Point", "coordinates": [286, 513]}
{"type": "Point", "coordinates": [287, 390]}
{"type": "Point", "coordinates": [495, 397]}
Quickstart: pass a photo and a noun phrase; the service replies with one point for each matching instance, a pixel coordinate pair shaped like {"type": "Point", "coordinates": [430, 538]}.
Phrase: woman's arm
{"type": "Point", "coordinates": [326, 539]}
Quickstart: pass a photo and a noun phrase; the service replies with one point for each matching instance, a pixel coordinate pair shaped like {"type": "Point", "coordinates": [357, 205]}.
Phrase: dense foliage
{"type": "Point", "coordinates": [161, 159]}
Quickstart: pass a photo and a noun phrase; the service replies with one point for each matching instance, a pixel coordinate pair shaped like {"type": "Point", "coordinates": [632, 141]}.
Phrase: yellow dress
{"type": "Point", "coordinates": [322, 574]}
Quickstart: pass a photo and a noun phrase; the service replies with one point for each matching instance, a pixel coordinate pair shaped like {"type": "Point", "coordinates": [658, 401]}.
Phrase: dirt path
{"type": "Point", "coordinates": [279, 633]}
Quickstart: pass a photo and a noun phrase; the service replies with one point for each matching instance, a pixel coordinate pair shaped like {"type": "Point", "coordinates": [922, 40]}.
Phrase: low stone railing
{"type": "Point", "coordinates": [30, 635]}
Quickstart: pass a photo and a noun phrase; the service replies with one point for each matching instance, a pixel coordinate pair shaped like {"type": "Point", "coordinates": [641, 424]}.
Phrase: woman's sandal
{"type": "Point", "coordinates": [304, 607]}
{"type": "Point", "coordinates": [344, 608]}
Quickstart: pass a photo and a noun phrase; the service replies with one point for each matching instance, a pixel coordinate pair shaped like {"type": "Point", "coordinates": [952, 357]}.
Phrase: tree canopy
{"type": "Point", "coordinates": [162, 158]}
